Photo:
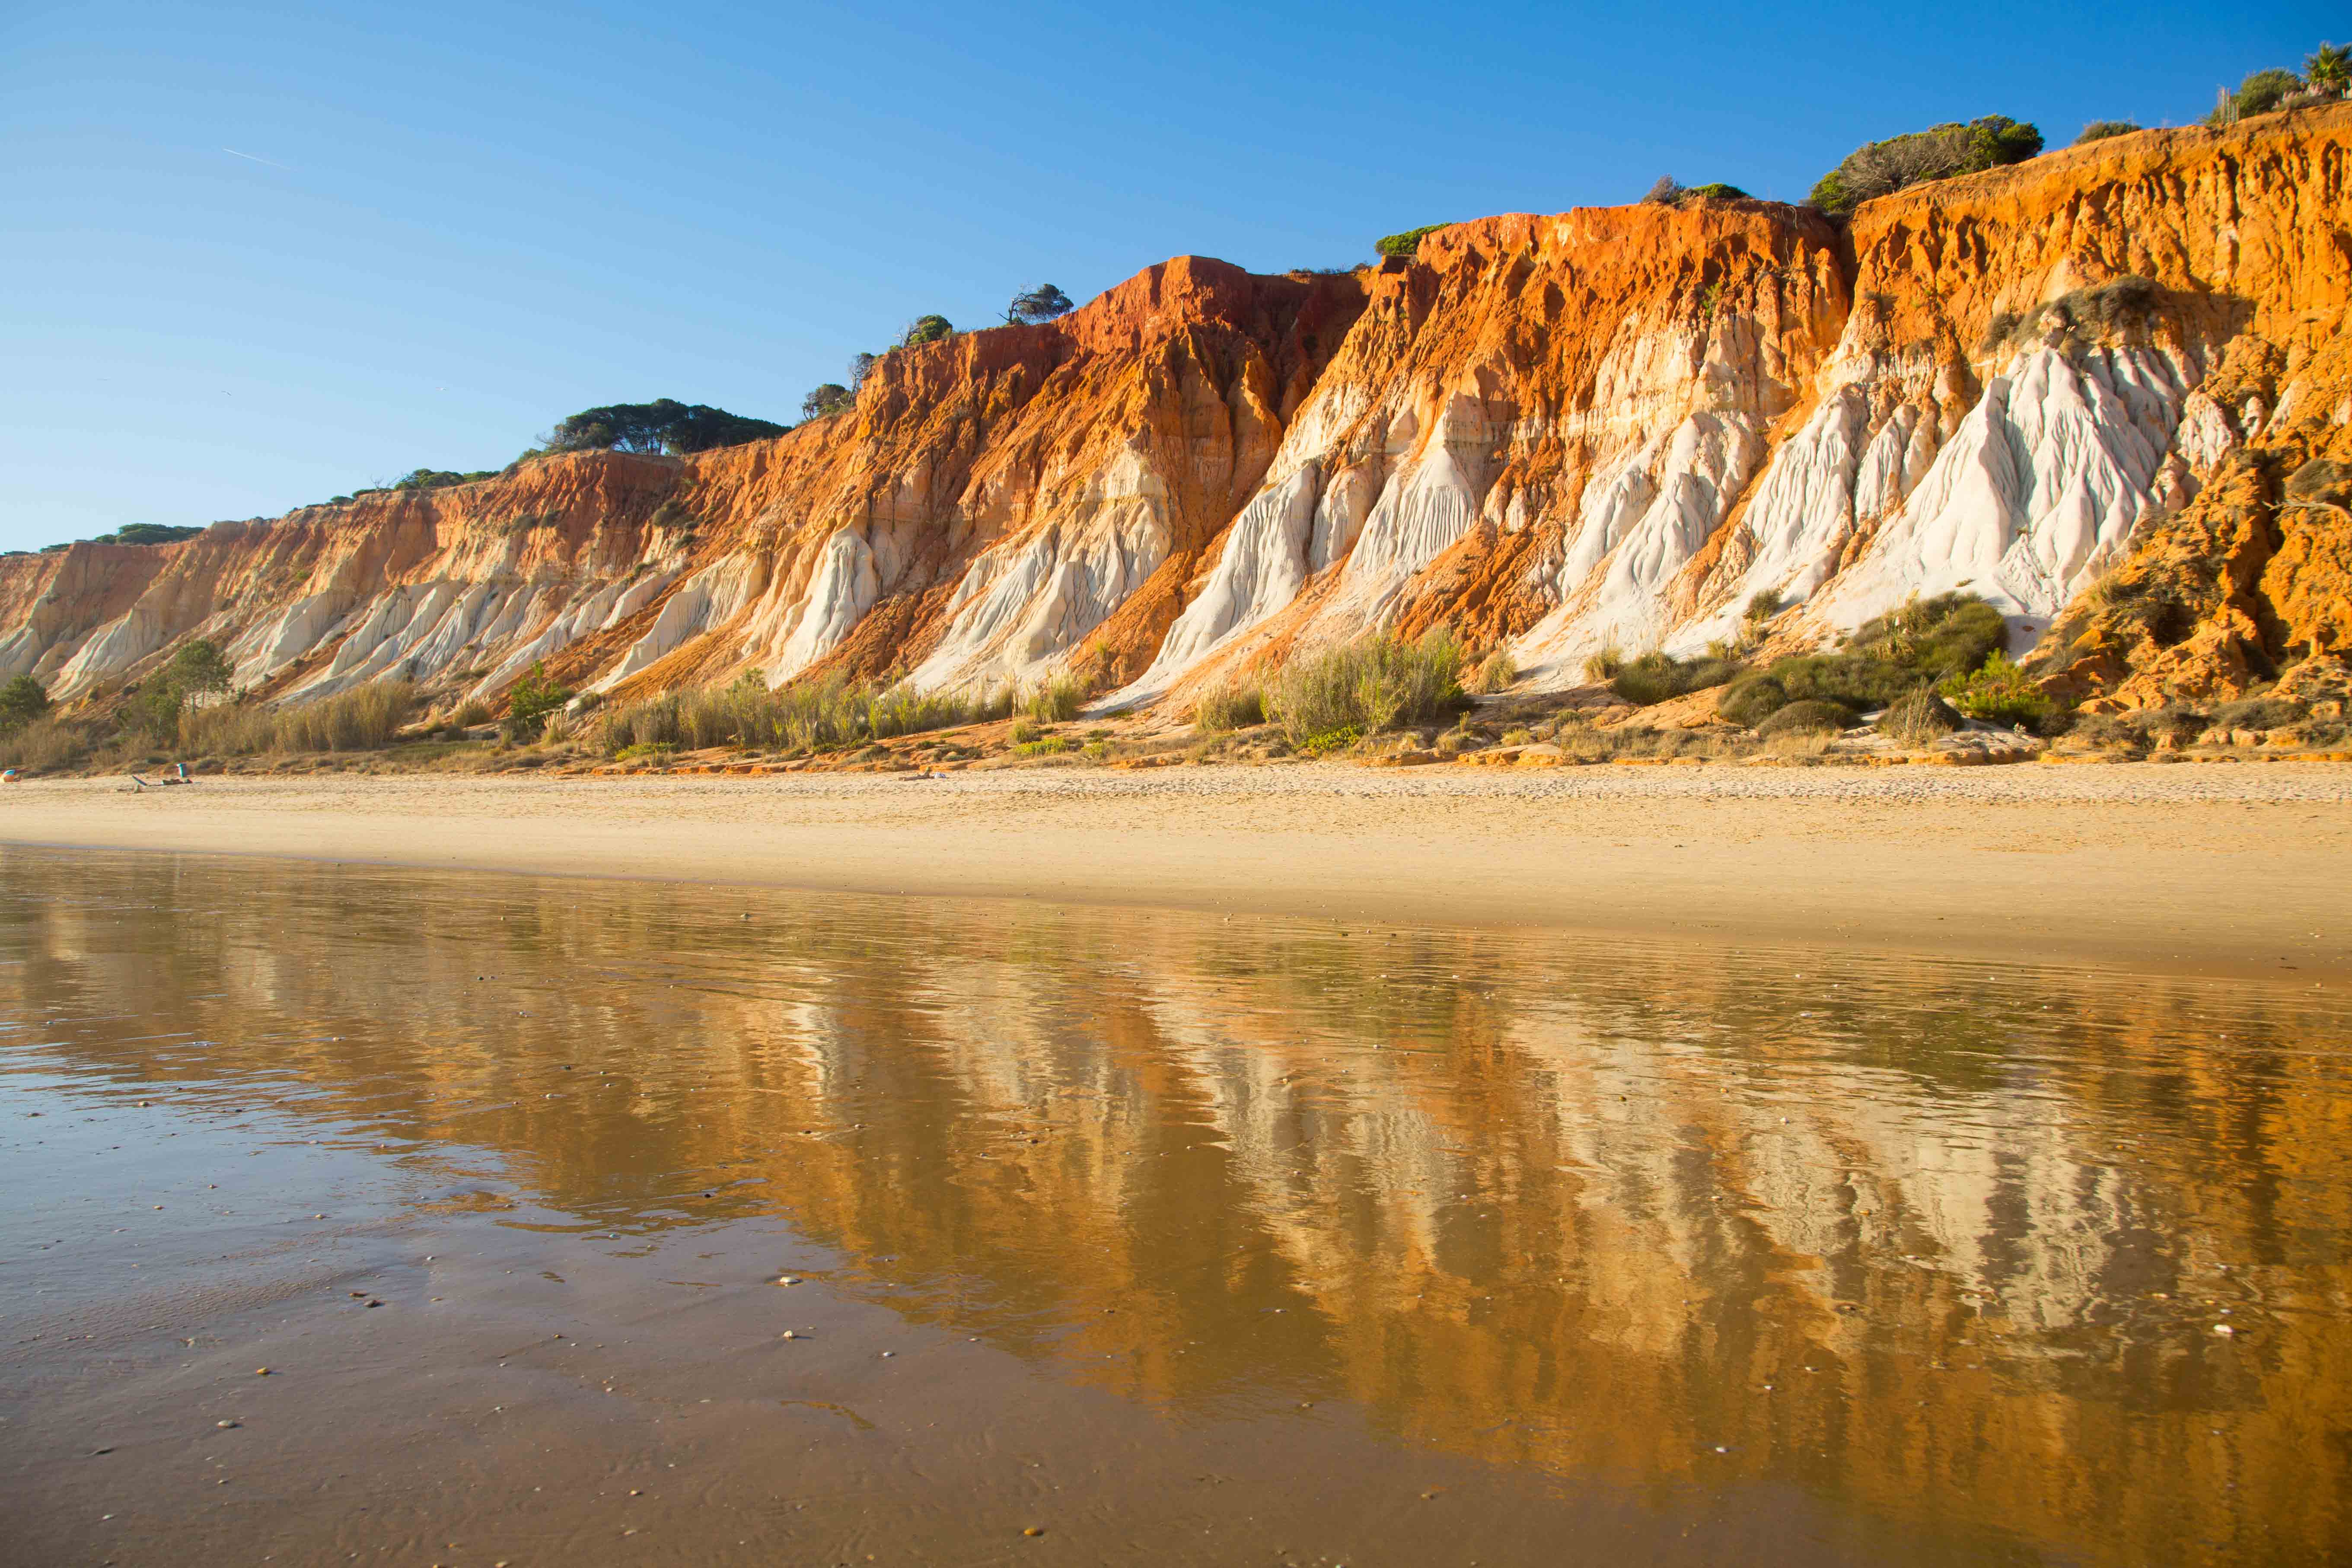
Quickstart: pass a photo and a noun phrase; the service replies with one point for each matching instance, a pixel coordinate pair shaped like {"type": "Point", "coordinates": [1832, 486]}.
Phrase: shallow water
{"type": "Point", "coordinates": [1177, 1239]}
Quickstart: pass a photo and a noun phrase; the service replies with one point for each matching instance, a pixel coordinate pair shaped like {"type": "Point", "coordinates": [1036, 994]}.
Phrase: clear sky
{"type": "Point", "coordinates": [254, 255]}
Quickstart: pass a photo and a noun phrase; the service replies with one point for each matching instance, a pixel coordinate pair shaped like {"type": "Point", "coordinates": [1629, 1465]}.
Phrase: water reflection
{"type": "Point", "coordinates": [1945, 1246]}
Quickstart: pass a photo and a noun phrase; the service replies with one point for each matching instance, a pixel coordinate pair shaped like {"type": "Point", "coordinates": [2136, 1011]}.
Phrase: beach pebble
{"type": "Point", "coordinates": [224, 1426]}
{"type": "Point", "coordinates": [261, 1372]}
{"type": "Point", "coordinates": [2224, 1330]}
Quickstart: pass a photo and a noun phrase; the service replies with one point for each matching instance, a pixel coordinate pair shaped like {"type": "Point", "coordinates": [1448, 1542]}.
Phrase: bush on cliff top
{"type": "Point", "coordinates": [2100, 129]}
{"type": "Point", "coordinates": [924, 330]}
{"type": "Point", "coordinates": [827, 400]}
{"type": "Point", "coordinates": [1406, 244]}
{"type": "Point", "coordinates": [1938, 152]}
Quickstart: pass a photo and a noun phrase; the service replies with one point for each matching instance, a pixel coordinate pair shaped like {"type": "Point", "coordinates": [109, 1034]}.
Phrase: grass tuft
{"type": "Point", "coordinates": [1367, 687]}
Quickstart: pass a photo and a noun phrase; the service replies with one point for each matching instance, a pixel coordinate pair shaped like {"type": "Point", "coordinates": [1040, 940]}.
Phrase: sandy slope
{"type": "Point", "coordinates": [2214, 868]}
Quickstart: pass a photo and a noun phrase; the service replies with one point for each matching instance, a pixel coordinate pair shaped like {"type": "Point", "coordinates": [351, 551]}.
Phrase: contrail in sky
{"type": "Point", "coordinates": [272, 161]}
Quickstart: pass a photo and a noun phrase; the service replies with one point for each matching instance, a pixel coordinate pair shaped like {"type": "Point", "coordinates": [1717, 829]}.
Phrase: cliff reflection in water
{"type": "Point", "coordinates": [1938, 1243]}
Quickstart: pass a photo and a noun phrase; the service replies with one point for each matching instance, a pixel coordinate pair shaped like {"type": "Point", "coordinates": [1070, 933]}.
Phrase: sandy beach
{"type": "Point", "coordinates": [2215, 869]}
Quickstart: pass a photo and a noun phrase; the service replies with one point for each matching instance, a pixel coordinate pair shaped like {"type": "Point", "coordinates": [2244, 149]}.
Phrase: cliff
{"type": "Point", "coordinates": [2108, 389]}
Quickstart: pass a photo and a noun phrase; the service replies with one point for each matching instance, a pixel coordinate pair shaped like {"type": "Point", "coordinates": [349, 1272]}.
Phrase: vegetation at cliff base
{"type": "Point", "coordinates": [1657, 676]}
{"type": "Point", "coordinates": [1918, 663]}
{"type": "Point", "coordinates": [1367, 687]}
{"type": "Point", "coordinates": [1938, 152]}
{"type": "Point", "coordinates": [198, 670]}
{"type": "Point", "coordinates": [22, 701]}
{"type": "Point", "coordinates": [824, 714]}
{"type": "Point", "coordinates": [530, 702]}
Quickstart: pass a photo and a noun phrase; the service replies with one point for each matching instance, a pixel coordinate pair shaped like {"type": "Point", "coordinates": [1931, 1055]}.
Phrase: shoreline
{"type": "Point", "coordinates": [2236, 872]}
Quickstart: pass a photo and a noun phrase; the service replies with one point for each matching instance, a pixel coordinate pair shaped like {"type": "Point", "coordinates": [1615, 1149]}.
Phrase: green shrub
{"type": "Point", "coordinates": [924, 330]}
{"type": "Point", "coordinates": [2000, 693]}
{"type": "Point", "coordinates": [1604, 663]}
{"type": "Point", "coordinates": [530, 700]}
{"type": "Point", "coordinates": [1806, 718]}
{"type": "Point", "coordinates": [2100, 129]}
{"type": "Point", "coordinates": [2329, 67]}
{"type": "Point", "coordinates": [1762, 606]}
{"type": "Point", "coordinates": [1948, 635]}
{"type": "Point", "coordinates": [827, 400]}
{"type": "Point", "coordinates": [1229, 706]}
{"type": "Point", "coordinates": [199, 667]}
{"type": "Point", "coordinates": [1407, 245]}
{"type": "Point", "coordinates": [2259, 94]}
{"type": "Point", "coordinates": [1050, 745]}
{"type": "Point", "coordinates": [1368, 687]}
{"type": "Point", "coordinates": [1918, 717]}
{"type": "Point", "coordinates": [1939, 153]}
{"type": "Point", "coordinates": [1342, 739]}
{"type": "Point", "coordinates": [1657, 676]}
{"type": "Point", "coordinates": [1717, 190]}
{"type": "Point", "coordinates": [22, 701]}
{"type": "Point", "coordinates": [1752, 698]}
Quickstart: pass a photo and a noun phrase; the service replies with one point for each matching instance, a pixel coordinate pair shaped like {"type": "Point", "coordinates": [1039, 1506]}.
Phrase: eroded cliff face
{"type": "Point", "coordinates": [2112, 379]}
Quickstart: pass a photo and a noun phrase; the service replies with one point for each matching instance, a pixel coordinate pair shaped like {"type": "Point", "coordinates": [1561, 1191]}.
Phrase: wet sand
{"type": "Point", "coordinates": [2236, 869]}
{"type": "Point", "coordinates": [1174, 1239]}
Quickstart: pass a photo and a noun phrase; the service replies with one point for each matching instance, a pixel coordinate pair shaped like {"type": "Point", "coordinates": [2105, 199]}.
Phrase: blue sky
{"type": "Point", "coordinates": [255, 256]}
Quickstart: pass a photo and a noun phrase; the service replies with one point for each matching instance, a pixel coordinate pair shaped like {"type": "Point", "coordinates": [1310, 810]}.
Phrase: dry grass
{"type": "Point", "coordinates": [1229, 706]}
{"type": "Point", "coordinates": [1496, 672]}
{"type": "Point", "coordinates": [365, 719]}
{"type": "Point", "coordinates": [45, 745]}
{"type": "Point", "coordinates": [810, 716]}
{"type": "Point", "coordinates": [1367, 687]}
{"type": "Point", "coordinates": [1057, 702]}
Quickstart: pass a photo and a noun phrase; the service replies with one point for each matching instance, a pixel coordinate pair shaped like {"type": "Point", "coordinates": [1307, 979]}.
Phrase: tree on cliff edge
{"type": "Point", "coordinates": [1938, 152]}
{"type": "Point", "coordinates": [1033, 307]}
{"type": "Point", "coordinates": [663, 425]}
{"type": "Point", "coordinates": [828, 399]}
